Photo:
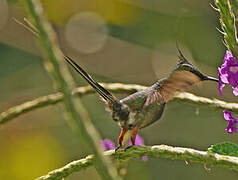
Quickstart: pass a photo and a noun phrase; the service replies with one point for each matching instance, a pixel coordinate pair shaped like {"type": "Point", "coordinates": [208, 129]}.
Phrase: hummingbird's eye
{"type": "Point", "coordinates": [115, 118]}
{"type": "Point", "coordinates": [130, 126]}
{"type": "Point", "coordinates": [117, 107]}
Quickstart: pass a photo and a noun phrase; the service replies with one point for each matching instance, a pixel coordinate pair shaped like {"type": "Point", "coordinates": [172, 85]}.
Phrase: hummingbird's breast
{"type": "Point", "coordinates": [146, 116]}
{"type": "Point", "coordinates": [141, 115]}
{"type": "Point", "coordinates": [150, 114]}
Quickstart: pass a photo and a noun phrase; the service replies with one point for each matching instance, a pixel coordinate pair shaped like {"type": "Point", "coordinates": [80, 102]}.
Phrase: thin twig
{"type": "Point", "coordinates": [51, 99]}
{"type": "Point", "coordinates": [161, 151]}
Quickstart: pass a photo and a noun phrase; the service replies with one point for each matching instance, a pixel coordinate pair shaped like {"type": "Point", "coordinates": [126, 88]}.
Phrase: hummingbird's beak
{"type": "Point", "coordinates": [210, 78]}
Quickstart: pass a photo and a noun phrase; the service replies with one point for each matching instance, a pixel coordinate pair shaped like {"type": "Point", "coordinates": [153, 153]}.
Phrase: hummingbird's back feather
{"type": "Point", "coordinates": [136, 101]}
{"type": "Point", "coordinates": [142, 115]}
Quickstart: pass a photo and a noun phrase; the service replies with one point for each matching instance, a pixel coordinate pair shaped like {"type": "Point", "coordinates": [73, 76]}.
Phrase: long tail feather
{"type": "Point", "coordinates": [106, 95]}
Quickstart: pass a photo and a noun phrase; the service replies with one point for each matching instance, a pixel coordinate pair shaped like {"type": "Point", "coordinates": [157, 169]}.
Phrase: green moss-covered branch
{"type": "Point", "coordinates": [51, 99]}
{"type": "Point", "coordinates": [160, 151]}
{"type": "Point", "coordinates": [75, 114]}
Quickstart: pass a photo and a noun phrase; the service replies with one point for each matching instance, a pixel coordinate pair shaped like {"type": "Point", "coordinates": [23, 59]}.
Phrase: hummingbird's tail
{"type": "Point", "coordinates": [105, 94]}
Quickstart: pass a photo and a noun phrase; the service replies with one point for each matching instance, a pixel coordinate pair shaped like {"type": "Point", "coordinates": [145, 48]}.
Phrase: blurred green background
{"type": "Point", "coordinates": [128, 41]}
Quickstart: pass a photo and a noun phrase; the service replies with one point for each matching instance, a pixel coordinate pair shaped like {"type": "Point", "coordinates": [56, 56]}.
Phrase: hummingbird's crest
{"type": "Point", "coordinates": [181, 57]}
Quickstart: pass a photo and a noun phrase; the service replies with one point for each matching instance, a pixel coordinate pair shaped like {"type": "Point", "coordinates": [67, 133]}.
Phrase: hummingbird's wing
{"type": "Point", "coordinates": [178, 81]}
{"type": "Point", "coordinates": [181, 78]}
{"type": "Point", "coordinates": [105, 94]}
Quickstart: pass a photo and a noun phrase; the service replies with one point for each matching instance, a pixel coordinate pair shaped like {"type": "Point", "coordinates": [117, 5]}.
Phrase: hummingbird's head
{"type": "Point", "coordinates": [184, 64]}
{"type": "Point", "coordinates": [120, 113]}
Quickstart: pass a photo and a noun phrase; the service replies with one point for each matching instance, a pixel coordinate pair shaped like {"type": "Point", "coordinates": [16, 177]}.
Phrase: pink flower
{"type": "Point", "coordinates": [107, 144]}
{"type": "Point", "coordinates": [228, 73]}
{"type": "Point", "coordinates": [140, 142]}
{"type": "Point", "coordinates": [232, 121]}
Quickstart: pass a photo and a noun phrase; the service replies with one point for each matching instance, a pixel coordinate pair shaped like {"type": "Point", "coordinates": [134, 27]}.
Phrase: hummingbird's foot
{"type": "Point", "coordinates": [117, 148]}
{"type": "Point", "coordinates": [120, 139]}
{"type": "Point", "coordinates": [128, 147]}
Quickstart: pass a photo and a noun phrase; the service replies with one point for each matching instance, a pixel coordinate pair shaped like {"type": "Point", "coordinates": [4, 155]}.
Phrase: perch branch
{"type": "Point", "coordinates": [161, 151]}
{"type": "Point", "coordinates": [51, 99]}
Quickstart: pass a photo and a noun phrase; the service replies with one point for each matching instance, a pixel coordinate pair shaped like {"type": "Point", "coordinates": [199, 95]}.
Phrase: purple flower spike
{"type": "Point", "coordinates": [144, 158]}
{"type": "Point", "coordinates": [232, 121]}
{"type": "Point", "coordinates": [140, 142]}
{"type": "Point", "coordinates": [228, 73]}
{"type": "Point", "coordinates": [107, 144]}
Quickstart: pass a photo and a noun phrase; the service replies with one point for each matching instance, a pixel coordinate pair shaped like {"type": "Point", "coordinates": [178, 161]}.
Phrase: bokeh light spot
{"type": "Point", "coordinates": [86, 32]}
{"type": "Point", "coordinates": [30, 156]}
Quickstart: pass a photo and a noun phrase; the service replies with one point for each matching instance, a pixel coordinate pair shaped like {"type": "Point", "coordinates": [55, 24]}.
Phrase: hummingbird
{"type": "Point", "coordinates": [145, 107]}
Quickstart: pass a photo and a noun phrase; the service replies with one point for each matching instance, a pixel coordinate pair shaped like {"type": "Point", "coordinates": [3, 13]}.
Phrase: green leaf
{"type": "Point", "coordinates": [224, 148]}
